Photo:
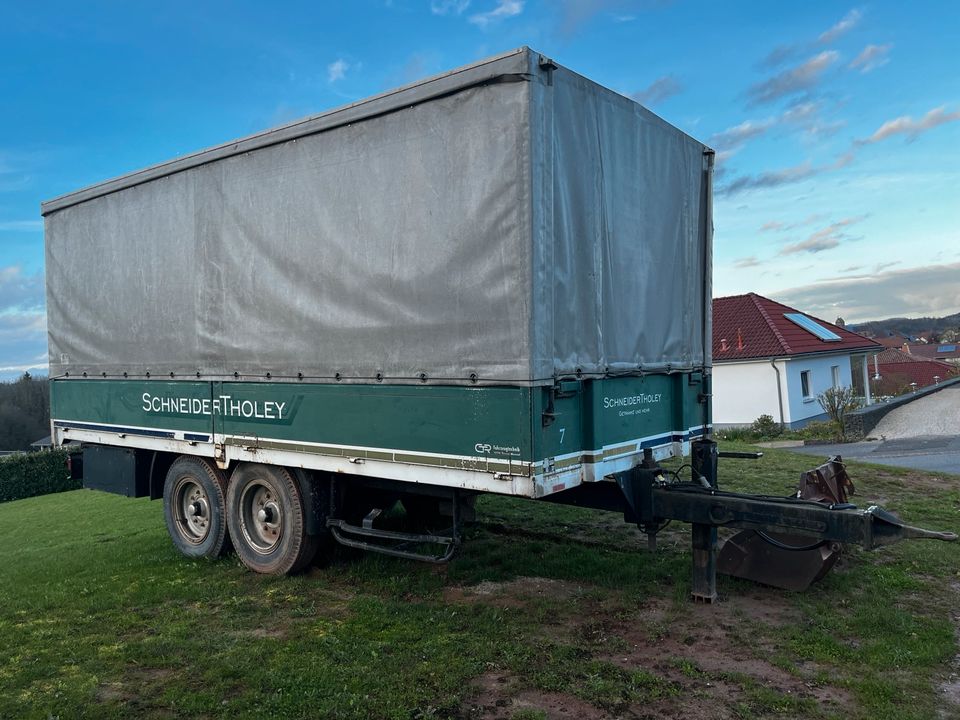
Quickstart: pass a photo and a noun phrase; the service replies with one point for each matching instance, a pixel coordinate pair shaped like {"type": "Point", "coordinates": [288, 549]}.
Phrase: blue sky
{"type": "Point", "coordinates": [837, 125]}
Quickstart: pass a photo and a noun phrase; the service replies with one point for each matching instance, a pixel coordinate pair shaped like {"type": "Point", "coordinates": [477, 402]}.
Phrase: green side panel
{"type": "Point", "coordinates": [436, 419]}
{"type": "Point", "coordinates": [593, 414]}
{"type": "Point", "coordinates": [486, 421]}
{"type": "Point", "coordinates": [125, 402]}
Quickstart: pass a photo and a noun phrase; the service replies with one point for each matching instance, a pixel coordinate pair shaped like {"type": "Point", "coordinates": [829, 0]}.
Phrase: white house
{"type": "Point", "coordinates": [770, 359]}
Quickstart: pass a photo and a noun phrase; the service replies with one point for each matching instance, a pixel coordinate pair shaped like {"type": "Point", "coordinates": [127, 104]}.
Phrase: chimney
{"type": "Point", "coordinates": [739, 340]}
{"type": "Point", "coordinates": [723, 345]}
{"type": "Point", "coordinates": [906, 348]}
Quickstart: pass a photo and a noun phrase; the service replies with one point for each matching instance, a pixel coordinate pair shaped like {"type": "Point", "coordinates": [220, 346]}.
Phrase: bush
{"type": "Point", "coordinates": [736, 434]}
{"type": "Point", "coordinates": [818, 430]}
{"type": "Point", "coordinates": [766, 426]}
{"type": "Point", "coordinates": [38, 473]}
{"type": "Point", "coordinates": [837, 402]}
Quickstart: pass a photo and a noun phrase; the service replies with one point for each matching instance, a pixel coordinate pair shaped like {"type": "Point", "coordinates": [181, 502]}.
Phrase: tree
{"type": "Point", "coordinates": [839, 322]}
{"type": "Point", "coordinates": [837, 402]}
{"type": "Point", "coordinates": [24, 412]}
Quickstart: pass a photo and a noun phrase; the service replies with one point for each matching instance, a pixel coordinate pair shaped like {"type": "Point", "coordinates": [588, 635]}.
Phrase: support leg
{"type": "Point", "coordinates": [704, 563]}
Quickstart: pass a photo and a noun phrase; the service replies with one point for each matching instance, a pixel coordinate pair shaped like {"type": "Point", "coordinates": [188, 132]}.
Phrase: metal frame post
{"type": "Point", "coordinates": [704, 563]}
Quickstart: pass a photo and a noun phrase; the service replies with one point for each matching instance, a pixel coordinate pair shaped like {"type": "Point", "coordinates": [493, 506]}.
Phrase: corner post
{"type": "Point", "coordinates": [704, 563]}
{"type": "Point", "coordinates": [704, 459]}
{"type": "Point", "coordinates": [703, 462]}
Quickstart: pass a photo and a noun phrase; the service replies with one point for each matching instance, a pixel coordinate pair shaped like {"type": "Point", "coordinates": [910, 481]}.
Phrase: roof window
{"type": "Point", "coordinates": [812, 327]}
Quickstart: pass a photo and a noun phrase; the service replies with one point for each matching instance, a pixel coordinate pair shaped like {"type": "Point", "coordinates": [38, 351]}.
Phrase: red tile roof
{"type": "Point", "coordinates": [936, 350]}
{"type": "Point", "coordinates": [892, 341]}
{"type": "Point", "coordinates": [896, 355]}
{"type": "Point", "coordinates": [752, 326]}
{"type": "Point", "coordinates": [898, 369]}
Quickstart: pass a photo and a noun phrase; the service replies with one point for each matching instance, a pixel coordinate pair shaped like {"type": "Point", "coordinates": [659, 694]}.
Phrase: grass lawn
{"type": "Point", "coordinates": [547, 612]}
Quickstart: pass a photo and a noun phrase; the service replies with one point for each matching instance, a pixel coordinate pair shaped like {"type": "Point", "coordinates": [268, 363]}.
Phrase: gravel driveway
{"type": "Point", "coordinates": [936, 414]}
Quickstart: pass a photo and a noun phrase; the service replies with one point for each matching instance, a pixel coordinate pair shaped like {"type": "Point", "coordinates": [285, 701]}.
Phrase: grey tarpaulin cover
{"type": "Point", "coordinates": [510, 221]}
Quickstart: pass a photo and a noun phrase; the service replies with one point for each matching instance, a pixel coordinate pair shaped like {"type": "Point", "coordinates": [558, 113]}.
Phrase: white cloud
{"type": "Point", "coordinates": [823, 239]}
{"type": "Point", "coordinates": [927, 290]}
{"type": "Point", "coordinates": [7, 370]}
{"type": "Point", "coordinates": [737, 135]}
{"type": "Point", "coordinates": [871, 57]}
{"type": "Point", "coordinates": [23, 342]}
{"type": "Point", "coordinates": [448, 7]}
{"type": "Point", "coordinates": [794, 80]}
{"type": "Point", "coordinates": [21, 225]}
{"type": "Point", "coordinates": [721, 158]}
{"type": "Point", "coordinates": [574, 14]}
{"type": "Point", "coordinates": [805, 116]}
{"type": "Point", "coordinates": [770, 179]}
{"type": "Point", "coordinates": [784, 176]}
{"type": "Point", "coordinates": [784, 53]}
{"type": "Point", "coordinates": [337, 70]}
{"type": "Point", "coordinates": [779, 55]}
{"type": "Point", "coordinates": [23, 321]}
{"type": "Point", "coordinates": [659, 90]}
{"type": "Point", "coordinates": [504, 9]}
{"type": "Point", "coordinates": [848, 22]}
{"type": "Point", "coordinates": [777, 226]}
{"type": "Point", "coordinates": [19, 291]}
{"type": "Point", "coordinates": [906, 125]}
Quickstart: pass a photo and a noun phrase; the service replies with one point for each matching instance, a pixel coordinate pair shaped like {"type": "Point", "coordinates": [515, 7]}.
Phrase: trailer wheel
{"type": "Point", "coordinates": [194, 507]}
{"type": "Point", "coordinates": [266, 515]}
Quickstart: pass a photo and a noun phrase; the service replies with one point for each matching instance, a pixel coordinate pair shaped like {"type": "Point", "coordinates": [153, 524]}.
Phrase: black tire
{"type": "Point", "coordinates": [266, 515]}
{"type": "Point", "coordinates": [194, 506]}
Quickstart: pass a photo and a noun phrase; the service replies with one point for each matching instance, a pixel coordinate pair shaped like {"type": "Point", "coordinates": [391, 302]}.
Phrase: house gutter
{"type": "Point", "coordinates": [819, 353]}
{"type": "Point", "coordinates": [773, 364]}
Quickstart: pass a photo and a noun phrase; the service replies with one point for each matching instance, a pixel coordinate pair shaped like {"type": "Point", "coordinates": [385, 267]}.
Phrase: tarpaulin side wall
{"type": "Point", "coordinates": [398, 245]}
{"type": "Point", "coordinates": [623, 233]}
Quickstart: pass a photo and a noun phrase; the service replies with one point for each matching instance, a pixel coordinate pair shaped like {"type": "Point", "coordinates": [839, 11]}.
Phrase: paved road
{"type": "Point", "coordinates": [923, 435]}
{"type": "Point", "coordinates": [937, 453]}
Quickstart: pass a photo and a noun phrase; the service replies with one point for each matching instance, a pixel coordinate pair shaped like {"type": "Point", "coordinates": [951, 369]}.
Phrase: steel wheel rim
{"type": "Point", "coordinates": [193, 510]}
{"type": "Point", "coordinates": [261, 519]}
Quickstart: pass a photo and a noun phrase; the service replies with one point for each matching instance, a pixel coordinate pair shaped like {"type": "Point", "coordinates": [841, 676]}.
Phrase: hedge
{"type": "Point", "coordinates": [37, 473]}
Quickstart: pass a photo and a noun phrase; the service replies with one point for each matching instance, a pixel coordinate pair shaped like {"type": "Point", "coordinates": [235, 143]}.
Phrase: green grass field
{"type": "Point", "coordinates": [547, 612]}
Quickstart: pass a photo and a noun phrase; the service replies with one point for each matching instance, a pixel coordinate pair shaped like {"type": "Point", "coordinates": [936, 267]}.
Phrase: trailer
{"type": "Point", "coordinates": [496, 280]}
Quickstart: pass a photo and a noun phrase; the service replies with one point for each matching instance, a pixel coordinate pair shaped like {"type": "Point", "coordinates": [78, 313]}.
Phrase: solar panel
{"type": "Point", "coordinates": [812, 327]}
{"type": "Point", "coordinates": [947, 348]}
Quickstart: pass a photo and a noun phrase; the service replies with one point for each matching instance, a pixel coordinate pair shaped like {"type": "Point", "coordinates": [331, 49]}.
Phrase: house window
{"type": "Point", "coordinates": [835, 369]}
{"type": "Point", "coordinates": [805, 384]}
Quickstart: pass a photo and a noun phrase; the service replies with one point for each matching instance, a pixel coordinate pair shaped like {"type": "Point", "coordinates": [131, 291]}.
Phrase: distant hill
{"type": "Point", "coordinates": [911, 327]}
